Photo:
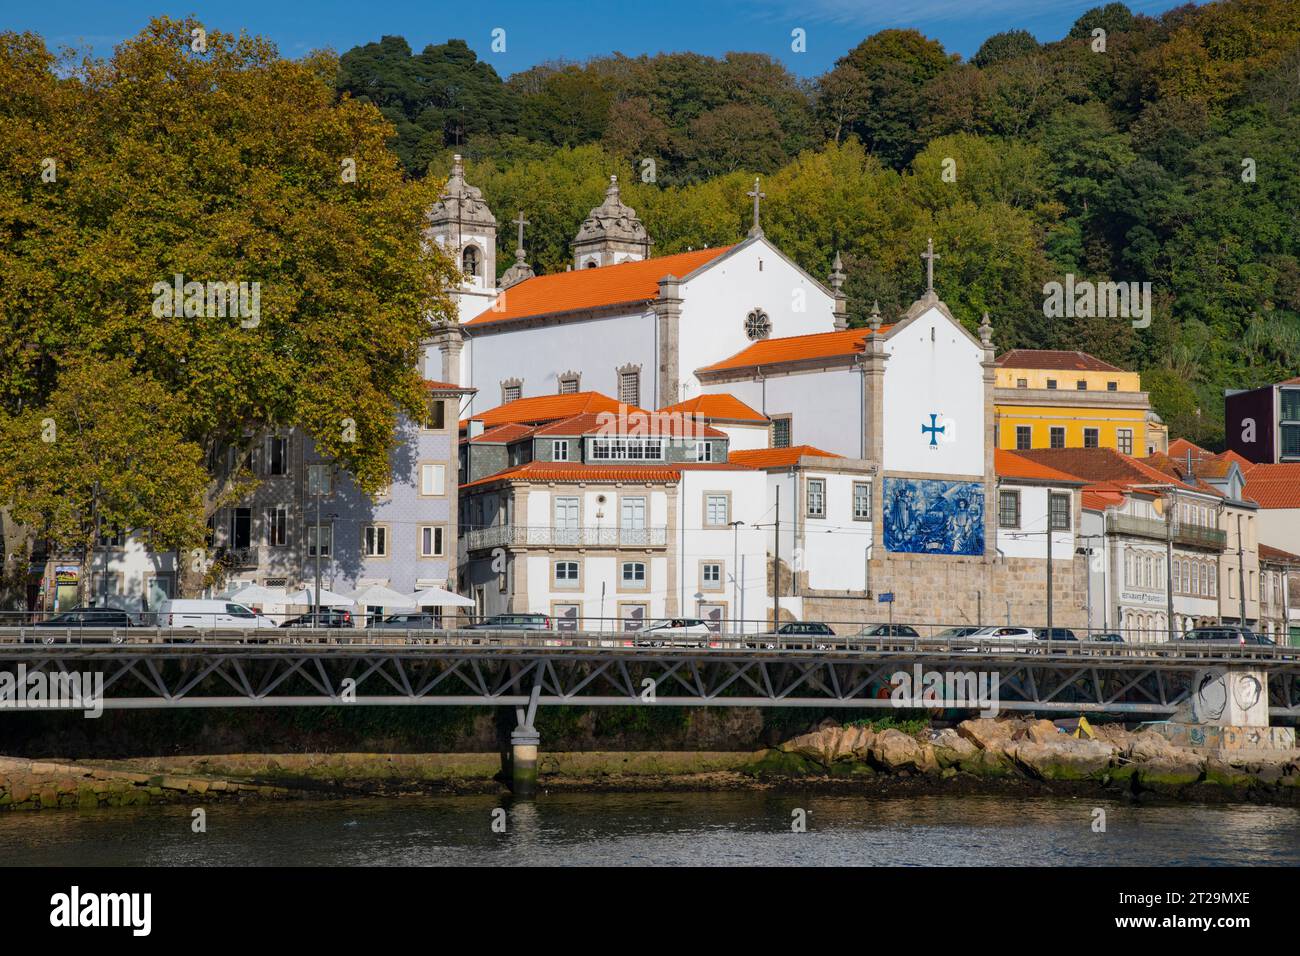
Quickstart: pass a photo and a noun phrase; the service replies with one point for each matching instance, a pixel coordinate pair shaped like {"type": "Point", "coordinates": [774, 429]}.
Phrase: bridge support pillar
{"type": "Point", "coordinates": [1234, 695]}
{"type": "Point", "coordinates": [523, 745]}
{"type": "Point", "coordinates": [523, 761]}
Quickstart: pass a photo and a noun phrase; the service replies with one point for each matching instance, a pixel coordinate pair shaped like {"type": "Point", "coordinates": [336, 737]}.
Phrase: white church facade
{"type": "Point", "coordinates": [879, 440]}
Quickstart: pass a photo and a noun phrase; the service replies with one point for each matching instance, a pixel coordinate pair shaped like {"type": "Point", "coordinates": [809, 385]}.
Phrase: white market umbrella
{"type": "Point", "coordinates": [437, 597]}
{"type": "Point", "coordinates": [256, 594]}
{"type": "Point", "coordinates": [379, 595]}
{"type": "Point", "coordinates": [327, 598]}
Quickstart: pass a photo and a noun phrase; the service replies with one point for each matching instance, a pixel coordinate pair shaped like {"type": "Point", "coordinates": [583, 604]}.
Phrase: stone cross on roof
{"type": "Point", "coordinates": [756, 194]}
{"type": "Point", "coordinates": [520, 222]}
{"type": "Point", "coordinates": [929, 256]}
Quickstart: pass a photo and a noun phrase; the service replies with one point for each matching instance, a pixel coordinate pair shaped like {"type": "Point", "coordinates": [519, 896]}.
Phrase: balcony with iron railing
{"type": "Point", "coordinates": [1188, 534]}
{"type": "Point", "coordinates": [237, 559]}
{"type": "Point", "coordinates": [523, 536]}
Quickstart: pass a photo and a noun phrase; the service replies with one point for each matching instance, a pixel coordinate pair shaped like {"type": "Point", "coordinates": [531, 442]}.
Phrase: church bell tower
{"type": "Point", "coordinates": [463, 225]}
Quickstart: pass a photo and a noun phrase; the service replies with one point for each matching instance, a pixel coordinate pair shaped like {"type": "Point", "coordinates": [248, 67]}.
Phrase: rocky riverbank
{"type": "Point", "coordinates": [975, 756]}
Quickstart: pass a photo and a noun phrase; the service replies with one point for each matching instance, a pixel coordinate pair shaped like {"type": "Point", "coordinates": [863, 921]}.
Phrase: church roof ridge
{"type": "Point", "coordinates": [579, 289]}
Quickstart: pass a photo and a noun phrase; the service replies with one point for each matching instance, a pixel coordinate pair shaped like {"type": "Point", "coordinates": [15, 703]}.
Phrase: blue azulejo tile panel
{"type": "Point", "coordinates": [928, 516]}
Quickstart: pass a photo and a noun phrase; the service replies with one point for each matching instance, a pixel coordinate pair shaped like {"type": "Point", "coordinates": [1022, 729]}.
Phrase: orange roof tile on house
{"type": "Point", "coordinates": [503, 434]}
{"type": "Point", "coordinates": [722, 406]}
{"type": "Point", "coordinates": [1009, 464]}
{"type": "Point", "coordinates": [1099, 497]}
{"type": "Point", "coordinates": [579, 471]}
{"type": "Point", "coordinates": [1179, 447]}
{"type": "Point", "coordinates": [797, 348]}
{"type": "Point", "coordinates": [1278, 556]}
{"type": "Point", "coordinates": [1049, 359]}
{"type": "Point", "coordinates": [777, 457]}
{"type": "Point", "coordinates": [1242, 462]}
{"type": "Point", "coordinates": [1275, 486]}
{"type": "Point", "coordinates": [625, 283]}
{"type": "Point", "coordinates": [1105, 464]}
{"type": "Point", "coordinates": [548, 408]}
{"type": "Point", "coordinates": [435, 386]}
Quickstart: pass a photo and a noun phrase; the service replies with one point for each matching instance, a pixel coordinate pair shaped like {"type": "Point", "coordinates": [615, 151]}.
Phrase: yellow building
{"type": "Point", "coordinates": [1058, 399]}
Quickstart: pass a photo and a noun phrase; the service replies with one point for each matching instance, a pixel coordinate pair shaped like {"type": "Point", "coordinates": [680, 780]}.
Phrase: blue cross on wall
{"type": "Point", "coordinates": [933, 428]}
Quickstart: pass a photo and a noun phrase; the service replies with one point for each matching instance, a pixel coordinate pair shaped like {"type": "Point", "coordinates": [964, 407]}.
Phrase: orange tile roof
{"type": "Point", "coordinates": [797, 348]}
{"type": "Point", "coordinates": [1050, 359]}
{"type": "Point", "coordinates": [1102, 496]}
{"type": "Point", "coordinates": [1277, 555]}
{"type": "Point", "coordinates": [721, 405]}
{"type": "Point", "coordinates": [777, 457]}
{"type": "Point", "coordinates": [1244, 463]}
{"type": "Point", "coordinates": [627, 282]}
{"type": "Point", "coordinates": [434, 386]}
{"type": "Point", "coordinates": [1008, 464]}
{"type": "Point", "coordinates": [549, 408]}
{"type": "Point", "coordinates": [1179, 447]}
{"type": "Point", "coordinates": [511, 431]}
{"type": "Point", "coordinates": [1104, 464]}
{"type": "Point", "coordinates": [578, 471]}
{"type": "Point", "coordinates": [1275, 486]}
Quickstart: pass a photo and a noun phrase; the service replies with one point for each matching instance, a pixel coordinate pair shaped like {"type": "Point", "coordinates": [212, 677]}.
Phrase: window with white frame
{"type": "Point", "coordinates": [320, 540]}
{"type": "Point", "coordinates": [566, 574]}
{"type": "Point", "coordinates": [711, 573]}
{"type": "Point", "coordinates": [633, 574]}
{"type": "Point", "coordinates": [433, 479]}
{"type": "Point", "coordinates": [320, 480]}
{"type": "Point", "coordinates": [626, 449]}
{"type": "Point", "coordinates": [560, 450]}
{"type": "Point", "coordinates": [1059, 511]}
{"type": "Point", "coordinates": [716, 512]}
{"type": "Point", "coordinates": [704, 451]}
{"type": "Point", "coordinates": [861, 501]}
{"type": "Point", "coordinates": [431, 540]}
{"type": "Point", "coordinates": [374, 541]}
{"type": "Point", "coordinates": [277, 455]}
{"type": "Point", "coordinates": [816, 498]}
{"type": "Point", "coordinates": [277, 526]}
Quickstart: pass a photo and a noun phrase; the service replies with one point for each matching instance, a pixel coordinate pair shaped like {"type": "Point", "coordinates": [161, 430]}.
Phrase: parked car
{"type": "Point", "coordinates": [962, 631]}
{"type": "Point", "coordinates": [513, 622]}
{"type": "Point", "coordinates": [889, 630]}
{"type": "Point", "coordinates": [326, 617]}
{"type": "Point", "coordinates": [1226, 634]}
{"type": "Point", "coordinates": [1057, 634]}
{"type": "Point", "coordinates": [208, 612]}
{"type": "Point", "coordinates": [88, 617]}
{"type": "Point", "coordinates": [796, 634]}
{"type": "Point", "coordinates": [1001, 634]}
{"type": "Point", "coordinates": [1108, 637]}
{"type": "Point", "coordinates": [677, 632]}
{"type": "Point", "coordinates": [412, 621]}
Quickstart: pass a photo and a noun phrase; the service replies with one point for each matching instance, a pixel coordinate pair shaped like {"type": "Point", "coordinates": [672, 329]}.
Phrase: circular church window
{"type": "Point", "coordinates": [758, 325]}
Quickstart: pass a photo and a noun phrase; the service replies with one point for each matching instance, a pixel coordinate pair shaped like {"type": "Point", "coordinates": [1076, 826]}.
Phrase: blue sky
{"type": "Point", "coordinates": [541, 30]}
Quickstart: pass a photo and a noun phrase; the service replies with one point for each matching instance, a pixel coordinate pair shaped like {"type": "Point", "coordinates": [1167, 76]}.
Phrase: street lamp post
{"type": "Point", "coordinates": [735, 568]}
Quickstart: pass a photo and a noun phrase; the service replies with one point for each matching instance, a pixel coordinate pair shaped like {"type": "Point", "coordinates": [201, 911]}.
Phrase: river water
{"type": "Point", "coordinates": [662, 829]}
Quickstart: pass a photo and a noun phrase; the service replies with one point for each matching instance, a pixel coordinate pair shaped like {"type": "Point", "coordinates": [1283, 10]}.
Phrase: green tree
{"type": "Point", "coordinates": [230, 165]}
{"type": "Point", "coordinates": [103, 454]}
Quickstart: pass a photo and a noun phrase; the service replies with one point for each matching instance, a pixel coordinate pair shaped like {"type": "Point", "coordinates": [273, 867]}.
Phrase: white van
{"type": "Point", "coordinates": [198, 612]}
